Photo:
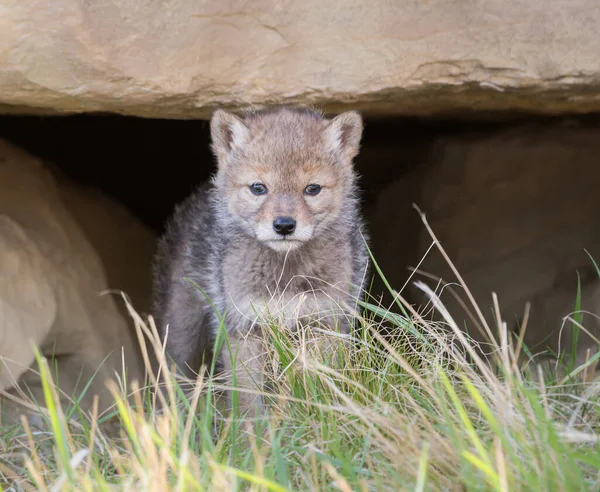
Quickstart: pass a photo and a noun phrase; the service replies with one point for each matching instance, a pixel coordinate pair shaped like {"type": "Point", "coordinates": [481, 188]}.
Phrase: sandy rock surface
{"type": "Point", "coordinates": [61, 247]}
{"type": "Point", "coordinates": [180, 59]}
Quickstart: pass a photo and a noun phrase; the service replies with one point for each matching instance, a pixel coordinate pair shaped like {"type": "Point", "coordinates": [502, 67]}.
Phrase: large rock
{"type": "Point", "coordinates": [179, 59]}
{"type": "Point", "coordinates": [517, 213]}
{"type": "Point", "coordinates": [61, 247]}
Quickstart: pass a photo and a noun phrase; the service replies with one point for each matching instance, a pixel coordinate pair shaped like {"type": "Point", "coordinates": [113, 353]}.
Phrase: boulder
{"type": "Point", "coordinates": [181, 59]}
{"type": "Point", "coordinates": [516, 212]}
{"type": "Point", "coordinates": [62, 247]}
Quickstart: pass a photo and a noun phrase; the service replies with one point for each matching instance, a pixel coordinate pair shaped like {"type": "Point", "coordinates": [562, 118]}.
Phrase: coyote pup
{"type": "Point", "coordinates": [277, 232]}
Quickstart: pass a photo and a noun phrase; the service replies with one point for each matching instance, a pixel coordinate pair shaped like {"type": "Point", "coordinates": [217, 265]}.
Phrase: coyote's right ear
{"type": "Point", "coordinates": [228, 132]}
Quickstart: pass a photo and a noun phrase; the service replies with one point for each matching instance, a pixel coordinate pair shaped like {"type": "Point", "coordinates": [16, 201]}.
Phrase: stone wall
{"type": "Point", "coordinates": [180, 59]}
{"type": "Point", "coordinates": [63, 249]}
{"type": "Point", "coordinates": [516, 211]}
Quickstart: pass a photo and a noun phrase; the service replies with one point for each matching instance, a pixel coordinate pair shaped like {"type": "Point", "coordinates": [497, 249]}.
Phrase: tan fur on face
{"type": "Point", "coordinates": [286, 154]}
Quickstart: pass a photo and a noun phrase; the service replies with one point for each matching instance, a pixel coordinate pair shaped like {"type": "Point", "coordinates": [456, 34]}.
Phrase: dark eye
{"type": "Point", "coordinates": [312, 189]}
{"type": "Point", "coordinates": [258, 188]}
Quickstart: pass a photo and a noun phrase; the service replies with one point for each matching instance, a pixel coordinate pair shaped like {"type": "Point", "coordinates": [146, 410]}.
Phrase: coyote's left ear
{"type": "Point", "coordinates": [343, 134]}
{"type": "Point", "coordinates": [228, 133]}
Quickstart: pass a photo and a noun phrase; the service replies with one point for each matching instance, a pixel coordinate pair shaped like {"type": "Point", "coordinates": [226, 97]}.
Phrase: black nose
{"type": "Point", "coordinates": [284, 225]}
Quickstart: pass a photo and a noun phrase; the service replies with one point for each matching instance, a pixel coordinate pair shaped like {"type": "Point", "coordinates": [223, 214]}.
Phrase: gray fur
{"type": "Point", "coordinates": [215, 245]}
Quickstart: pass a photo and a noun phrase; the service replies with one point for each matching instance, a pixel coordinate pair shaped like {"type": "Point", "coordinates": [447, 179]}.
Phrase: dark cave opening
{"type": "Point", "coordinates": [151, 164]}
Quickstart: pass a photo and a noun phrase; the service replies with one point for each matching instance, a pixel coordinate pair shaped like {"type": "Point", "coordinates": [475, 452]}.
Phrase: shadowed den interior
{"type": "Point", "coordinates": [149, 165]}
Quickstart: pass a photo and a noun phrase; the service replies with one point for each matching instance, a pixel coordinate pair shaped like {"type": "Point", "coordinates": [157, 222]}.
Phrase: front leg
{"type": "Point", "coordinates": [325, 336]}
{"type": "Point", "coordinates": [246, 356]}
{"type": "Point", "coordinates": [185, 327]}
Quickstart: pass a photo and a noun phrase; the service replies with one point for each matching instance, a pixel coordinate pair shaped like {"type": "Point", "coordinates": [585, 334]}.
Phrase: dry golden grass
{"type": "Point", "coordinates": [423, 411]}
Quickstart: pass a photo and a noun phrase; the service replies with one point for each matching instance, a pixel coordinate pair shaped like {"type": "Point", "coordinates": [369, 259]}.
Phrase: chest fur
{"type": "Point", "coordinates": [260, 283]}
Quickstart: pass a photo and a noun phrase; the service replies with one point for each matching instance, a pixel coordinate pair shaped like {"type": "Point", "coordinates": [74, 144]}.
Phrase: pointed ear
{"type": "Point", "coordinates": [228, 133]}
{"type": "Point", "coordinates": [344, 132]}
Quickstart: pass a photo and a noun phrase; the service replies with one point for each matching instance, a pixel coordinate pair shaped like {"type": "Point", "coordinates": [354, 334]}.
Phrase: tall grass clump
{"type": "Point", "coordinates": [423, 409]}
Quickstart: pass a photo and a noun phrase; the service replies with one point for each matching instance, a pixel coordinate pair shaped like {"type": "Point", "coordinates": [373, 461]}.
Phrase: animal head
{"type": "Point", "coordinates": [285, 173]}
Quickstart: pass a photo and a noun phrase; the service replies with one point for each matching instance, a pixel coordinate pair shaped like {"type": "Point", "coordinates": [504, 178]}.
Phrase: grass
{"type": "Point", "coordinates": [421, 411]}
